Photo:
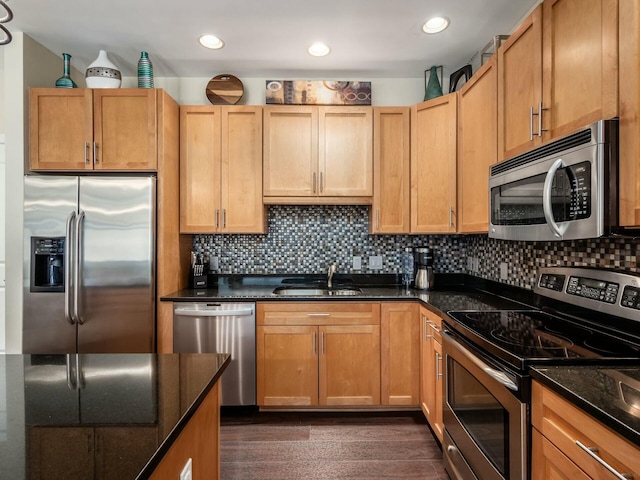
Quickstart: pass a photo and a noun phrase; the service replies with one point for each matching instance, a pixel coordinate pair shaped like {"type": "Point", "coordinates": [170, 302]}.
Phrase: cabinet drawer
{"type": "Point", "coordinates": [434, 324]}
{"type": "Point", "coordinates": [318, 313]}
{"type": "Point", "coordinates": [566, 426]}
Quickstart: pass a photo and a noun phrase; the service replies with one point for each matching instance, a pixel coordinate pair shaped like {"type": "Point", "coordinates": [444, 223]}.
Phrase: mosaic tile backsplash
{"type": "Point", "coordinates": [306, 239]}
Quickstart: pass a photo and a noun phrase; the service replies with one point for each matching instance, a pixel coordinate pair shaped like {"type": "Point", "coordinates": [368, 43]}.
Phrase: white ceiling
{"type": "Point", "coordinates": [368, 38]}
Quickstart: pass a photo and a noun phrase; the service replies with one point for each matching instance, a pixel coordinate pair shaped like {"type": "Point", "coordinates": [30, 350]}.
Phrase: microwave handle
{"type": "Point", "coordinates": [546, 199]}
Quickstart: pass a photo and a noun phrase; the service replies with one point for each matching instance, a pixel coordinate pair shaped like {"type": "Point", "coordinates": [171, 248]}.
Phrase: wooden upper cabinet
{"type": "Point", "coordinates": [100, 129]}
{"type": "Point", "coordinates": [221, 170]}
{"type": "Point", "coordinates": [558, 73]}
{"type": "Point", "coordinates": [391, 160]}
{"type": "Point", "coordinates": [200, 170]}
{"type": "Point", "coordinates": [580, 64]}
{"type": "Point", "coordinates": [629, 167]}
{"type": "Point", "coordinates": [61, 129]}
{"type": "Point", "coordinates": [477, 147]}
{"type": "Point", "coordinates": [433, 165]}
{"type": "Point", "coordinates": [242, 207]}
{"type": "Point", "coordinates": [345, 158]}
{"type": "Point", "coordinates": [317, 153]}
{"type": "Point", "coordinates": [520, 87]}
{"type": "Point", "coordinates": [290, 151]}
{"type": "Point", "coordinates": [125, 129]}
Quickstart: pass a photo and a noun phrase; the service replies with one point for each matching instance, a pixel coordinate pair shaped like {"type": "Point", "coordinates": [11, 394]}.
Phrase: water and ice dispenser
{"type": "Point", "coordinates": [47, 264]}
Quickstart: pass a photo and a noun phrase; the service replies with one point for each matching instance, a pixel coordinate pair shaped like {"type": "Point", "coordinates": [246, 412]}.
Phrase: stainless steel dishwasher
{"type": "Point", "coordinates": [221, 328]}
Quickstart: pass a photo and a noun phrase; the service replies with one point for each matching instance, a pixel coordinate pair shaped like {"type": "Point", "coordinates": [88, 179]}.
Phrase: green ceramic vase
{"type": "Point", "coordinates": [433, 88]}
{"type": "Point", "coordinates": [65, 80]}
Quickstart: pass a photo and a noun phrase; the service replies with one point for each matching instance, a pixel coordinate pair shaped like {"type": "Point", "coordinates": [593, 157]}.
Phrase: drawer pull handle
{"type": "Point", "coordinates": [592, 451]}
{"type": "Point", "coordinates": [318, 314]}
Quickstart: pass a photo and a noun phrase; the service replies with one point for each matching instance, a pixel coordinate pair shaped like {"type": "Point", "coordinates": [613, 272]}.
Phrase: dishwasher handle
{"type": "Point", "coordinates": [194, 312]}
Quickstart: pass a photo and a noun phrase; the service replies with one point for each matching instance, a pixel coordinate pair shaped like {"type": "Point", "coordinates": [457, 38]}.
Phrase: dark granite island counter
{"type": "Point", "coordinates": [109, 416]}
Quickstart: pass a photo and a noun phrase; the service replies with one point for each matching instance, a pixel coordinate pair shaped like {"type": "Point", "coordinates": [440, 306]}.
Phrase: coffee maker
{"type": "Point", "coordinates": [423, 259]}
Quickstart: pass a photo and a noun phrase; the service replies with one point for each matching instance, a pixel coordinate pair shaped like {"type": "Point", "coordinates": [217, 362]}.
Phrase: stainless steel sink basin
{"type": "Point", "coordinates": [315, 292]}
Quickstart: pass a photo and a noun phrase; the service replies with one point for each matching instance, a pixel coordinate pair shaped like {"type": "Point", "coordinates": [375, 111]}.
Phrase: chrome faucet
{"type": "Point", "coordinates": [330, 271]}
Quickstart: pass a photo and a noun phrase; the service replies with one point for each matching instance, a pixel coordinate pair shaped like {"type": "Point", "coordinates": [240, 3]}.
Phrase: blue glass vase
{"type": "Point", "coordinates": [65, 80]}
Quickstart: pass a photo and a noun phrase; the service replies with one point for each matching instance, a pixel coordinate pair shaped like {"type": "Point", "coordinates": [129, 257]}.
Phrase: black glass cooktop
{"type": "Point", "coordinates": [532, 337]}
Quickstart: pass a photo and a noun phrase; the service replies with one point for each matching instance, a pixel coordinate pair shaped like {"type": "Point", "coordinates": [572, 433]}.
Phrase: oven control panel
{"type": "Point", "coordinates": [553, 282]}
{"type": "Point", "coordinates": [631, 297]}
{"type": "Point", "coordinates": [600, 290]}
{"type": "Point", "coordinates": [608, 291]}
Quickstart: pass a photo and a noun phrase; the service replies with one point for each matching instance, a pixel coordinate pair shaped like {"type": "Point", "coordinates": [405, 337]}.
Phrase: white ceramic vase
{"type": "Point", "coordinates": [102, 73]}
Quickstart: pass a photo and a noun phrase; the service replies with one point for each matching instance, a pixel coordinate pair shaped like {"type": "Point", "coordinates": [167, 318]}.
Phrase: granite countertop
{"type": "Point", "coordinates": [611, 394]}
{"type": "Point", "coordinates": [451, 293]}
{"type": "Point", "coordinates": [72, 415]}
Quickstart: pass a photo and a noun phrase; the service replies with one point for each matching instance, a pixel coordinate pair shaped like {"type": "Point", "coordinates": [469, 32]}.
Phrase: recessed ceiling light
{"type": "Point", "coordinates": [319, 49]}
{"type": "Point", "coordinates": [211, 41]}
{"type": "Point", "coordinates": [435, 25]}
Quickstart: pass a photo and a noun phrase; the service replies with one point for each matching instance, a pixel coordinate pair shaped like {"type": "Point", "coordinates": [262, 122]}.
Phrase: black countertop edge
{"type": "Point", "coordinates": [166, 444]}
{"type": "Point", "coordinates": [449, 282]}
{"type": "Point", "coordinates": [573, 397]}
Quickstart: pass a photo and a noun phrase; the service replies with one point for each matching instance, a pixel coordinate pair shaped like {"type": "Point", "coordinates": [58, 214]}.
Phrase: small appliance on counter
{"type": "Point", "coordinates": [424, 268]}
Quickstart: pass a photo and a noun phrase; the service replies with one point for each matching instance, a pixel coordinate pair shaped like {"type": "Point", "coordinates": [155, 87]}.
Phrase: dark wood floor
{"type": "Point", "coordinates": [311, 446]}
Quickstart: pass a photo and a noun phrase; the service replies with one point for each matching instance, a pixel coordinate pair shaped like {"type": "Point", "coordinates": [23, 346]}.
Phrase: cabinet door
{"type": "Point", "coordinates": [290, 151]}
{"type": "Point", "coordinates": [520, 87]}
{"type": "Point", "coordinates": [549, 462]}
{"type": "Point", "coordinates": [477, 147]}
{"type": "Point", "coordinates": [345, 158]}
{"type": "Point", "coordinates": [629, 156]}
{"type": "Point", "coordinates": [400, 353]}
{"type": "Point", "coordinates": [287, 365]}
{"type": "Point", "coordinates": [200, 169]}
{"type": "Point", "coordinates": [242, 208]}
{"type": "Point", "coordinates": [426, 366]}
{"type": "Point", "coordinates": [61, 453]}
{"type": "Point", "coordinates": [125, 129]}
{"type": "Point", "coordinates": [391, 160]}
{"type": "Point", "coordinates": [580, 64]}
{"type": "Point", "coordinates": [119, 451]}
{"type": "Point", "coordinates": [61, 129]}
{"type": "Point", "coordinates": [438, 388]}
{"type": "Point", "coordinates": [349, 365]}
{"type": "Point", "coordinates": [433, 165]}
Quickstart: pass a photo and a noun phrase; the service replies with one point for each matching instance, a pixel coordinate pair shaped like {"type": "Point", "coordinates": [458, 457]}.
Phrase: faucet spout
{"type": "Point", "coordinates": [330, 271]}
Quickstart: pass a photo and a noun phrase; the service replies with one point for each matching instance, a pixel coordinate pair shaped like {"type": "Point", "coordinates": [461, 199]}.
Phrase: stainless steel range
{"type": "Point", "coordinates": [582, 315]}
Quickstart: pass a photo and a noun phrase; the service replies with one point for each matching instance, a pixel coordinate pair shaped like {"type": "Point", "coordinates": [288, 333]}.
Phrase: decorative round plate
{"type": "Point", "coordinates": [224, 89]}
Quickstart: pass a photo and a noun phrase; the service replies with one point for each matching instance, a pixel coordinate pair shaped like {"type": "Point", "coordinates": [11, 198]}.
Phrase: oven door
{"type": "Point", "coordinates": [486, 424]}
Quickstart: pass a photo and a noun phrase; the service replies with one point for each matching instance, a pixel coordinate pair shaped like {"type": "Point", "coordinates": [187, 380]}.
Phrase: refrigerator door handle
{"type": "Point", "coordinates": [78, 268]}
{"type": "Point", "coordinates": [68, 266]}
{"type": "Point", "coordinates": [72, 379]}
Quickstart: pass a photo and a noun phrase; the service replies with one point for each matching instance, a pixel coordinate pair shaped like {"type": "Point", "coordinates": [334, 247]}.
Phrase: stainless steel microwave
{"type": "Point", "coordinates": [563, 190]}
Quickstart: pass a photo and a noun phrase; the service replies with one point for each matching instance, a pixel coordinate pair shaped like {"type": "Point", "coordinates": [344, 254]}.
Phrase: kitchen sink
{"type": "Point", "coordinates": [315, 292]}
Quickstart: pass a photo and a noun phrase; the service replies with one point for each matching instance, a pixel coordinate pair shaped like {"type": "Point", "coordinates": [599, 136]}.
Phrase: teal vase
{"type": "Point", "coordinates": [433, 88]}
{"type": "Point", "coordinates": [65, 80]}
{"type": "Point", "coordinates": [145, 71]}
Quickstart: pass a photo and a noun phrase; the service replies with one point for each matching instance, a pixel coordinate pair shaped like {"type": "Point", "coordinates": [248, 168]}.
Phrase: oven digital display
{"type": "Point", "coordinates": [600, 290]}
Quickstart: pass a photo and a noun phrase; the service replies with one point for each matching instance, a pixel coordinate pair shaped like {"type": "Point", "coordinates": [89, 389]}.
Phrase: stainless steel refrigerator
{"type": "Point", "coordinates": [89, 264]}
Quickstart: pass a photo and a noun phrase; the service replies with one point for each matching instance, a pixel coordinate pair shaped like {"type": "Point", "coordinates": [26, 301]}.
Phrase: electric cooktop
{"type": "Point", "coordinates": [528, 337]}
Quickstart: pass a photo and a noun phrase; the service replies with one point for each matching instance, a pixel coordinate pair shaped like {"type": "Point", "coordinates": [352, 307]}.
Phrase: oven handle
{"type": "Point", "coordinates": [497, 375]}
{"type": "Point", "coordinates": [546, 199]}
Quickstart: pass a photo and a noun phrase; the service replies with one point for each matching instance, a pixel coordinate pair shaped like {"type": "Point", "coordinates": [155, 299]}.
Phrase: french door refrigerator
{"type": "Point", "coordinates": [89, 264]}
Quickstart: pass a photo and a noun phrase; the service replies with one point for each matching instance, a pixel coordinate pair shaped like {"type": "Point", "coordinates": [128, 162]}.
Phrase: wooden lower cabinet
{"type": "Point", "coordinates": [431, 370]}
{"type": "Point", "coordinates": [287, 366]}
{"type": "Point", "coordinates": [199, 440]}
{"type": "Point", "coordinates": [400, 353]}
{"type": "Point", "coordinates": [318, 354]}
{"type": "Point", "coordinates": [559, 428]}
{"type": "Point", "coordinates": [549, 462]}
